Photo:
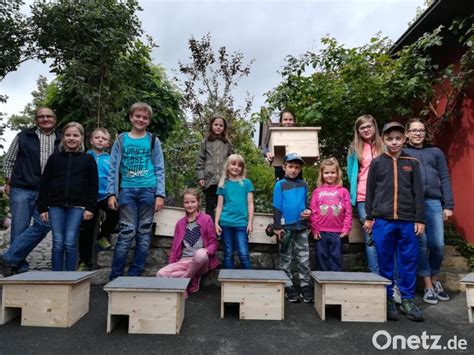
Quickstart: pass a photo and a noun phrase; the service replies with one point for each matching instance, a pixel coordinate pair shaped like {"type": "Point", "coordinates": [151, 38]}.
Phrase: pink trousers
{"type": "Point", "coordinates": [188, 267]}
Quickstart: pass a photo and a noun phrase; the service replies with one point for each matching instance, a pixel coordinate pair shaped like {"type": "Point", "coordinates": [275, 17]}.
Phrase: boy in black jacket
{"type": "Point", "coordinates": [395, 215]}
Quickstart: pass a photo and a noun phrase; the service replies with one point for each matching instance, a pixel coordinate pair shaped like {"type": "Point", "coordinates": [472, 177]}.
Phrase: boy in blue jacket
{"type": "Point", "coordinates": [100, 142]}
{"type": "Point", "coordinates": [395, 214]}
{"type": "Point", "coordinates": [290, 224]}
{"type": "Point", "coordinates": [136, 184]}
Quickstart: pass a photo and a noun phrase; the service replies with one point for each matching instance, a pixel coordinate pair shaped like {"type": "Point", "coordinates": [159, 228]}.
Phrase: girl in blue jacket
{"type": "Point", "coordinates": [439, 206]}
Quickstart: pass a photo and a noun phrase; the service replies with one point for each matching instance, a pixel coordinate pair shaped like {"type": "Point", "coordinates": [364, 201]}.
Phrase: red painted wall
{"type": "Point", "coordinates": [456, 139]}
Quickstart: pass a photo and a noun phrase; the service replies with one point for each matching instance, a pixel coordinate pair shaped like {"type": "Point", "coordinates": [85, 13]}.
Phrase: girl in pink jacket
{"type": "Point", "coordinates": [193, 251]}
{"type": "Point", "coordinates": [331, 216]}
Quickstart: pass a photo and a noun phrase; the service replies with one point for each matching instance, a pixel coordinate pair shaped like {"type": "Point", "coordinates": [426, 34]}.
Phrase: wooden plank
{"type": "Point", "coordinates": [348, 277]}
{"type": "Point", "coordinates": [180, 312]}
{"type": "Point", "coordinates": [257, 300]}
{"type": "Point", "coordinates": [468, 279]}
{"type": "Point", "coordinates": [149, 313]}
{"type": "Point", "coordinates": [253, 275]}
{"type": "Point", "coordinates": [359, 303]}
{"type": "Point", "coordinates": [111, 319]}
{"type": "Point", "coordinates": [260, 223]}
{"type": "Point", "coordinates": [223, 292]}
{"type": "Point", "coordinates": [319, 300]}
{"type": "Point", "coordinates": [8, 313]}
{"type": "Point", "coordinates": [48, 277]}
{"type": "Point", "coordinates": [78, 301]}
{"type": "Point", "coordinates": [167, 218]}
{"type": "Point", "coordinates": [357, 233]}
{"type": "Point", "coordinates": [42, 305]}
{"type": "Point", "coordinates": [301, 140]}
{"type": "Point", "coordinates": [129, 283]}
{"type": "Point", "coordinates": [470, 302]}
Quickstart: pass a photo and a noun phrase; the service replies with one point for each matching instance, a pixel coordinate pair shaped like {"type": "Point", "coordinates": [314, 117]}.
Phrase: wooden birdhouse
{"type": "Point", "coordinates": [302, 140]}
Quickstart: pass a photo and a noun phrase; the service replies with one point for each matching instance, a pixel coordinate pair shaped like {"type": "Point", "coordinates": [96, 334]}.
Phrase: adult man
{"type": "Point", "coordinates": [24, 163]}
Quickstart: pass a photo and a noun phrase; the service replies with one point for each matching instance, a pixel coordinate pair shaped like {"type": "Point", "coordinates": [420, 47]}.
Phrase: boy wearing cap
{"type": "Point", "coordinates": [395, 215]}
{"type": "Point", "coordinates": [290, 224]}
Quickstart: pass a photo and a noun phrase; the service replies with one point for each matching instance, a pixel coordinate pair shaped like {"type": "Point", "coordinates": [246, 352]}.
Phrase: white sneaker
{"type": "Point", "coordinates": [397, 297]}
{"type": "Point", "coordinates": [430, 296]}
{"type": "Point", "coordinates": [440, 292]}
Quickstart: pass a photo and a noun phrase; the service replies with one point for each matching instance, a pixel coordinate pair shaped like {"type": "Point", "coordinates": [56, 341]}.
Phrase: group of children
{"type": "Point", "coordinates": [387, 187]}
{"type": "Point", "coordinates": [403, 194]}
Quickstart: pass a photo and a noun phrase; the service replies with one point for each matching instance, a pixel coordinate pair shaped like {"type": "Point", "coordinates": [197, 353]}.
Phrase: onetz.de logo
{"type": "Point", "coordinates": [383, 340]}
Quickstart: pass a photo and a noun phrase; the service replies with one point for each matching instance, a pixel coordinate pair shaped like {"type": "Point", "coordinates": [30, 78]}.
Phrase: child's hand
{"type": "Point", "coordinates": [87, 215]}
{"type": "Point", "coordinates": [368, 226]}
{"type": "Point", "coordinates": [344, 234]}
{"type": "Point", "coordinates": [306, 213]}
{"type": "Point", "coordinates": [249, 228]}
{"type": "Point", "coordinates": [112, 202]}
{"type": "Point", "coordinates": [419, 228]}
{"type": "Point", "coordinates": [159, 203]}
{"type": "Point", "coordinates": [218, 229]}
{"type": "Point", "coordinates": [279, 233]}
{"type": "Point", "coordinates": [202, 182]}
{"type": "Point", "coordinates": [316, 236]}
{"type": "Point", "coordinates": [44, 216]}
{"type": "Point", "coordinates": [447, 214]}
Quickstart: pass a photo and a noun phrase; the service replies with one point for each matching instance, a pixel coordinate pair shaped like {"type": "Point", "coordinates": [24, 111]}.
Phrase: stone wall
{"type": "Point", "coordinates": [263, 256]}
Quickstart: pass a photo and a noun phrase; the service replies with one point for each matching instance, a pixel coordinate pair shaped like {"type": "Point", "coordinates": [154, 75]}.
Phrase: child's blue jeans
{"type": "Point", "coordinates": [65, 224]}
{"type": "Point", "coordinates": [432, 241]}
{"type": "Point", "coordinates": [235, 238]}
{"type": "Point", "coordinates": [370, 251]}
{"type": "Point", "coordinates": [329, 252]}
{"type": "Point", "coordinates": [395, 237]}
{"type": "Point", "coordinates": [136, 209]}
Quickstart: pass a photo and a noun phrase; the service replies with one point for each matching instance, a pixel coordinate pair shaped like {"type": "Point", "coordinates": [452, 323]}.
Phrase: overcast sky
{"type": "Point", "coordinates": [264, 30]}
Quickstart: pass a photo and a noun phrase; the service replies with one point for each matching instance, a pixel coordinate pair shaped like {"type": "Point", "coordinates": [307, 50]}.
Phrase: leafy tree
{"type": "Point", "coordinates": [102, 66]}
{"type": "Point", "coordinates": [26, 117]}
{"type": "Point", "coordinates": [333, 87]}
{"type": "Point", "coordinates": [15, 44]}
{"type": "Point", "coordinates": [210, 79]}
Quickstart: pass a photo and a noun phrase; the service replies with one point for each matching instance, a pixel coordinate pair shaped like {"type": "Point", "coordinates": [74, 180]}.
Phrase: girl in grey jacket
{"type": "Point", "coordinates": [213, 152]}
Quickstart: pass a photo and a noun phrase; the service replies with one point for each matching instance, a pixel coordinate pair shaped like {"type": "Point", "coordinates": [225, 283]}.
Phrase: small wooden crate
{"type": "Point", "coordinates": [357, 233]}
{"type": "Point", "coordinates": [167, 218]}
{"type": "Point", "coordinates": [361, 295]}
{"type": "Point", "coordinates": [46, 298]}
{"type": "Point", "coordinates": [468, 280]}
{"type": "Point", "coordinates": [301, 140]}
{"type": "Point", "coordinates": [260, 293]}
{"type": "Point", "coordinates": [154, 305]}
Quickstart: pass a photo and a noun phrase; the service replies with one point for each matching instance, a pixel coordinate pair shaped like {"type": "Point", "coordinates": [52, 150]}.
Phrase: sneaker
{"type": "Point", "coordinates": [307, 293]}
{"type": "Point", "coordinates": [83, 266]}
{"type": "Point", "coordinates": [291, 295]}
{"type": "Point", "coordinates": [392, 311]}
{"type": "Point", "coordinates": [440, 292]}
{"type": "Point", "coordinates": [412, 311]}
{"type": "Point", "coordinates": [194, 284]}
{"type": "Point", "coordinates": [5, 269]}
{"type": "Point", "coordinates": [430, 296]}
{"type": "Point", "coordinates": [397, 297]}
{"type": "Point", "coordinates": [103, 244]}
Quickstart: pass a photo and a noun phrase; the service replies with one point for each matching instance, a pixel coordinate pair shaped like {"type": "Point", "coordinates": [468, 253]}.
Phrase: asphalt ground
{"type": "Point", "coordinates": [203, 332]}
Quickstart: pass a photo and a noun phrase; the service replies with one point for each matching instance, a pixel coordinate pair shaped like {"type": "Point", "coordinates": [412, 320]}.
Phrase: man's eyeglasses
{"type": "Point", "coordinates": [44, 116]}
